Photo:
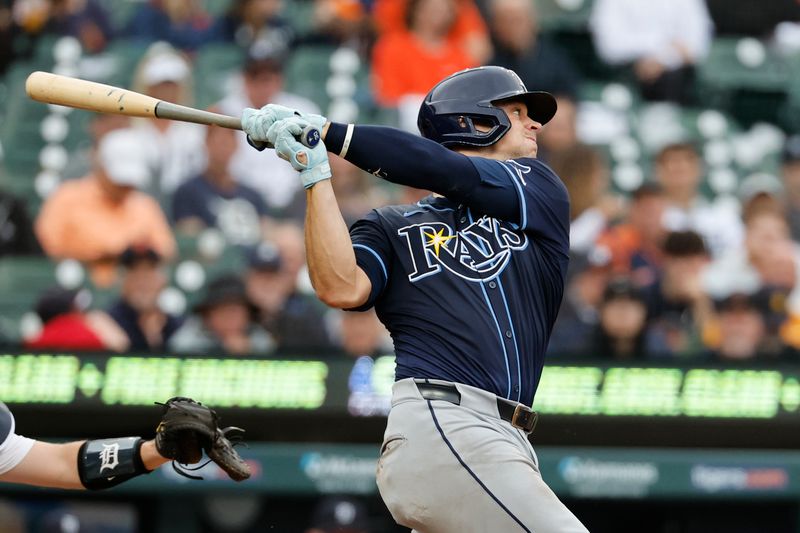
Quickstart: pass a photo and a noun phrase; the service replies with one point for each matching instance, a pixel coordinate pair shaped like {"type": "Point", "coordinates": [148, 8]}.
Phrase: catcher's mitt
{"type": "Point", "coordinates": [187, 428]}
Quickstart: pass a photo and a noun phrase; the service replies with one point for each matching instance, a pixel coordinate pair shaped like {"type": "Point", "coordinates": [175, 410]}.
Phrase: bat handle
{"type": "Point", "coordinates": [309, 137]}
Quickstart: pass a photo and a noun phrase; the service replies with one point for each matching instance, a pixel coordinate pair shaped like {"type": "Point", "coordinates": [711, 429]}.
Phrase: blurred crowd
{"type": "Point", "coordinates": [658, 271]}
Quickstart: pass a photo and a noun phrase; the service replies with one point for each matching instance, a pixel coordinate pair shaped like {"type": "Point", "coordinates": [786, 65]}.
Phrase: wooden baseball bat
{"type": "Point", "coordinates": [92, 96]}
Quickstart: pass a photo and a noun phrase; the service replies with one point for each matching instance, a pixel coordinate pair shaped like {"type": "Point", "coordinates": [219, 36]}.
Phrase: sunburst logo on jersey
{"type": "Point", "coordinates": [437, 239]}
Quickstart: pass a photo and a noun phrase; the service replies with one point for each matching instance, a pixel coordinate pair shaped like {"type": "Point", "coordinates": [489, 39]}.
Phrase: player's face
{"type": "Point", "coordinates": [520, 140]}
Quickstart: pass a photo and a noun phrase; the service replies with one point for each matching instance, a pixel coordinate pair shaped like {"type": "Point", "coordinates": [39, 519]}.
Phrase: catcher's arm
{"type": "Point", "coordinates": [57, 465]}
{"type": "Point", "coordinates": [186, 429]}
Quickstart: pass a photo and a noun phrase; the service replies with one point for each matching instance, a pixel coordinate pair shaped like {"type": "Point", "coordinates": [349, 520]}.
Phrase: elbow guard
{"type": "Point", "coordinates": [105, 463]}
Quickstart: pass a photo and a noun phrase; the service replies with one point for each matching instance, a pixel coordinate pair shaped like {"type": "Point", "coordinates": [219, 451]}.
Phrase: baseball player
{"type": "Point", "coordinates": [468, 281]}
{"type": "Point", "coordinates": [186, 429]}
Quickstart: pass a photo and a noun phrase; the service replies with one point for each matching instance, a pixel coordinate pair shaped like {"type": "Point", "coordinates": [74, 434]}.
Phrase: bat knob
{"type": "Point", "coordinates": [310, 136]}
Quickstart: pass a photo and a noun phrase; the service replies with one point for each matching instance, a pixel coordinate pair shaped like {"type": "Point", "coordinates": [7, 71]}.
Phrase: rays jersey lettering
{"type": "Point", "coordinates": [477, 253]}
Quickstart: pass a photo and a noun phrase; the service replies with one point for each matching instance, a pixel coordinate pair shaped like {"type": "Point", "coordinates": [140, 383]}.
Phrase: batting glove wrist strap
{"type": "Point", "coordinates": [105, 463]}
{"type": "Point", "coordinates": [314, 175]}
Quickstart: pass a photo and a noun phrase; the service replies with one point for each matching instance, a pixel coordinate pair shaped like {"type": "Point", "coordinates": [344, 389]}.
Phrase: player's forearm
{"type": "Point", "coordinates": [56, 465]}
{"type": "Point", "coordinates": [329, 250]}
{"type": "Point", "coordinates": [48, 465]}
{"type": "Point", "coordinates": [406, 159]}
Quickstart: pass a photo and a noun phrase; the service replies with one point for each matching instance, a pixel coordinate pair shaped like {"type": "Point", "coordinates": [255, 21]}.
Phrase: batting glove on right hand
{"type": "Point", "coordinates": [257, 122]}
{"type": "Point", "coordinates": [283, 135]}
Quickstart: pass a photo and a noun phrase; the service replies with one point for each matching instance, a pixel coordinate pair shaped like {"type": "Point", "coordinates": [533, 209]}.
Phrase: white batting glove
{"type": "Point", "coordinates": [315, 167]}
{"type": "Point", "coordinates": [257, 122]}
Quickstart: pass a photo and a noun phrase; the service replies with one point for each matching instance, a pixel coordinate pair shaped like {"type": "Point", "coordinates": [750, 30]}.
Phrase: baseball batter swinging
{"type": "Point", "coordinates": [468, 281]}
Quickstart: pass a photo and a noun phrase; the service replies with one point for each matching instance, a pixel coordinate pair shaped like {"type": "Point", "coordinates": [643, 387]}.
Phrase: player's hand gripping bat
{"type": "Point", "coordinates": [92, 96]}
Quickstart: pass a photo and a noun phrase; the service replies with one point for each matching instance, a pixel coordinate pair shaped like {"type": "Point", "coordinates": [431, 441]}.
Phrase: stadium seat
{"type": "Point", "coordinates": [307, 73]}
{"type": "Point", "coordinates": [735, 63]}
{"type": "Point", "coordinates": [120, 11]}
{"type": "Point", "coordinates": [21, 281]}
{"type": "Point", "coordinates": [564, 14]}
{"type": "Point", "coordinates": [299, 15]}
{"type": "Point", "coordinates": [125, 55]}
{"type": "Point", "coordinates": [213, 66]}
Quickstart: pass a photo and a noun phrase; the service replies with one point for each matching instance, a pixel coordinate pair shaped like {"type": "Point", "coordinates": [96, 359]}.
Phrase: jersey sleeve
{"type": "Point", "coordinates": [13, 448]}
{"type": "Point", "coordinates": [543, 202]}
{"type": "Point", "coordinates": [373, 255]}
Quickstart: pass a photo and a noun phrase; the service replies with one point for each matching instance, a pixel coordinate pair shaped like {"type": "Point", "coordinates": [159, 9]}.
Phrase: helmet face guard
{"type": "Point", "coordinates": [449, 113]}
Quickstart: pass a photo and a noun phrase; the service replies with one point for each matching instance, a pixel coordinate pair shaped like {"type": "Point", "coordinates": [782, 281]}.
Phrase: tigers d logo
{"type": "Point", "coordinates": [477, 253]}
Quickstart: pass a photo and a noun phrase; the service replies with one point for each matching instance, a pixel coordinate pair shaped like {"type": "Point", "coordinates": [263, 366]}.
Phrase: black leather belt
{"type": "Point", "coordinates": [519, 415]}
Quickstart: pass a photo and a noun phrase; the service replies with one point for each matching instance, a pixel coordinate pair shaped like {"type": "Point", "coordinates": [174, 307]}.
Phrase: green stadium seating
{"type": "Point", "coordinates": [299, 14]}
{"type": "Point", "coordinates": [22, 279]}
{"type": "Point", "coordinates": [307, 72]}
{"type": "Point", "coordinates": [213, 65]}
{"type": "Point", "coordinates": [126, 54]}
{"type": "Point", "coordinates": [751, 92]}
{"type": "Point", "coordinates": [723, 69]}
{"type": "Point", "coordinates": [564, 14]}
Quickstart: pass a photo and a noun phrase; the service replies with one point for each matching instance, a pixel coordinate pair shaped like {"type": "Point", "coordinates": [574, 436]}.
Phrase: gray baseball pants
{"type": "Point", "coordinates": [447, 468]}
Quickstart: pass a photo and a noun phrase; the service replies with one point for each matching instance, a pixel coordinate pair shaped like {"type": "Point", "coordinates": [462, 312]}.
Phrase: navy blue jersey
{"type": "Point", "coordinates": [466, 297]}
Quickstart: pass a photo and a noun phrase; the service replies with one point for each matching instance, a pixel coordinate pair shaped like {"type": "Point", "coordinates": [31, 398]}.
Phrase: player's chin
{"type": "Point", "coordinates": [532, 148]}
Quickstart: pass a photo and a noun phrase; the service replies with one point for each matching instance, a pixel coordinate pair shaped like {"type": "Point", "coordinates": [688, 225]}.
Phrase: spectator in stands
{"type": "Point", "coordinates": [12, 516]}
{"type": "Point", "coordinates": [147, 327]}
{"type": "Point", "coordinates": [176, 149]}
{"type": "Point", "coordinates": [679, 170]}
{"type": "Point", "coordinates": [355, 192]}
{"type": "Point", "coordinates": [622, 327]}
{"type": "Point", "coordinates": [635, 245]}
{"type": "Point", "coordinates": [80, 159]}
{"type": "Point", "coordinates": [215, 199]}
{"type": "Point", "coordinates": [182, 23]}
{"type": "Point", "coordinates": [93, 219]}
{"type": "Point", "coordinates": [742, 332]}
{"type": "Point", "coordinates": [407, 63]}
{"type": "Point", "coordinates": [16, 229]}
{"type": "Point", "coordinates": [363, 334]}
{"type": "Point", "coordinates": [659, 40]}
{"type": "Point", "coordinates": [561, 133]}
{"type": "Point", "coordinates": [769, 262]}
{"type": "Point", "coordinates": [342, 22]}
{"type": "Point", "coordinates": [9, 30]}
{"type": "Point", "coordinates": [769, 254]}
{"type": "Point", "coordinates": [223, 323]}
{"type": "Point", "coordinates": [248, 21]}
{"type": "Point", "coordinates": [85, 20]}
{"type": "Point", "coordinates": [288, 237]}
{"type": "Point", "coordinates": [261, 84]}
{"type": "Point", "coordinates": [761, 192]}
{"type": "Point", "coordinates": [339, 514]}
{"type": "Point", "coordinates": [574, 330]}
{"type": "Point", "coordinates": [679, 309]}
{"type": "Point", "coordinates": [68, 325]}
{"type": "Point", "coordinates": [790, 175]}
{"type": "Point", "coordinates": [519, 46]}
{"type": "Point", "coordinates": [296, 320]}
{"type": "Point", "coordinates": [592, 207]}
{"type": "Point", "coordinates": [468, 31]}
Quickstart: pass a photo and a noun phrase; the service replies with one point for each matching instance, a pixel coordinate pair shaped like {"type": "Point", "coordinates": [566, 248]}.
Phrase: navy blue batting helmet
{"type": "Point", "coordinates": [449, 111]}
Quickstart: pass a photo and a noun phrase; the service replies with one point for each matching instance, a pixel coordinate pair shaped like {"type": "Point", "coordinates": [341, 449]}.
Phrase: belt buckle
{"type": "Point", "coordinates": [524, 418]}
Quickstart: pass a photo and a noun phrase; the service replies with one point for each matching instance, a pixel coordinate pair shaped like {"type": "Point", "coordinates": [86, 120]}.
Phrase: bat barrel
{"type": "Point", "coordinates": [83, 94]}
